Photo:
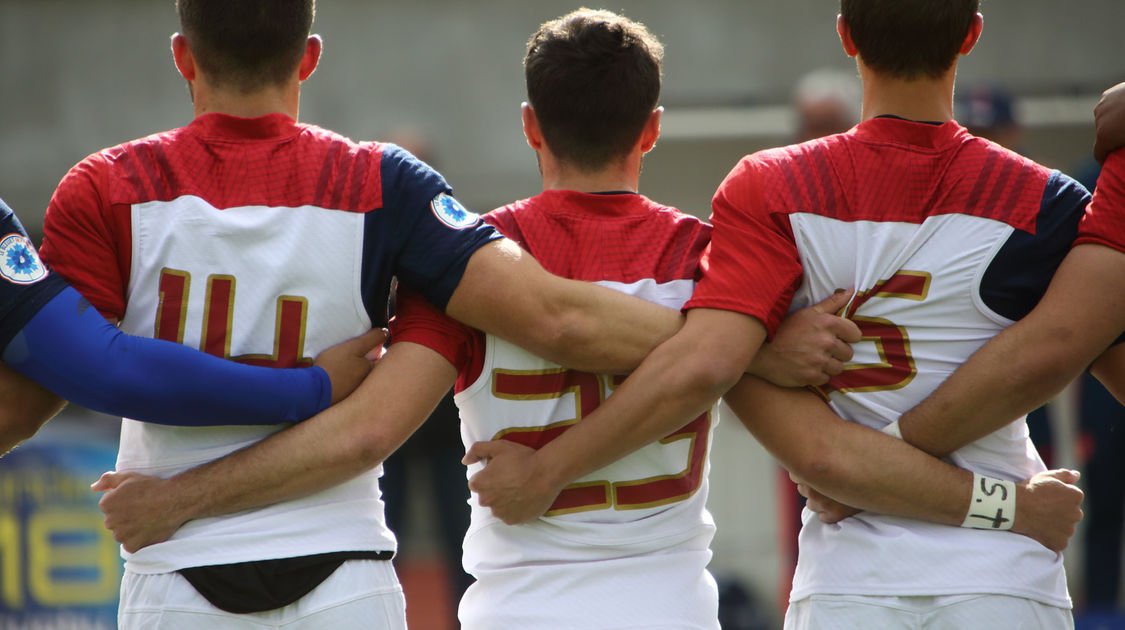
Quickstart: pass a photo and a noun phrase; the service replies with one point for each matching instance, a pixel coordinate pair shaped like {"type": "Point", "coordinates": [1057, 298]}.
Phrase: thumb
{"type": "Point", "coordinates": [108, 481]}
{"type": "Point", "coordinates": [481, 451]}
{"type": "Point", "coordinates": [369, 340]}
{"type": "Point", "coordinates": [835, 302]}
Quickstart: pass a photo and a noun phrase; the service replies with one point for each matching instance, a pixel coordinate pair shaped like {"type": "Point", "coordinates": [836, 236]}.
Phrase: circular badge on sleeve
{"type": "Point", "coordinates": [19, 263]}
{"type": "Point", "coordinates": [450, 212]}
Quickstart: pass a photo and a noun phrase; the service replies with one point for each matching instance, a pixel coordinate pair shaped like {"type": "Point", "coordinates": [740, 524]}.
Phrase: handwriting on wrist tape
{"type": "Point", "coordinates": [993, 505]}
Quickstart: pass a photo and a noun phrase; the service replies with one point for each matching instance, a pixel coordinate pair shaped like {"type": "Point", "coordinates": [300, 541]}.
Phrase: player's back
{"type": "Point", "coordinates": [947, 240]}
{"type": "Point", "coordinates": [261, 240]}
{"type": "Point", "coordinates": [628, 243]}
{"type": "Point", "coordinates": [628, 544]}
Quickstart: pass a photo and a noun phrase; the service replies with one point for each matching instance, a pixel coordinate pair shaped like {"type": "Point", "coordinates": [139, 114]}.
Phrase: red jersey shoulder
{"type": "Point", "coordinates": [855, 177]}
{"type": "Point", "coordinates": [1104, 220]}
{"type": "Point", "coordinates": [631, 238]}
{"type": "Point", "coordinates": [993, 182]}
{"type": "Point", "coordinates": [312, 166]}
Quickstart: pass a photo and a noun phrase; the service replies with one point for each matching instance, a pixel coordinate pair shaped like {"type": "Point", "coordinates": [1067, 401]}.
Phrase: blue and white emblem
{"type": "Point", "coordinates": [18, 261]}
{"type": "Point", "coordinates": [450, 212]}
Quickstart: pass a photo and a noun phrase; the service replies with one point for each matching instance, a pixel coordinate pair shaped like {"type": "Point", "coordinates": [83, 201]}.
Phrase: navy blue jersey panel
{"type": "Point", "coordinates": [1019, 274]}
{"type": "Point", "coordinates": [26, 284]}
{"type": "Point", "coordinates": [433, 236]}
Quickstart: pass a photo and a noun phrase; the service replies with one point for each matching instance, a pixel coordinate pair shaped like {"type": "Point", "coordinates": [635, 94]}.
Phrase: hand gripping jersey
{"type": "Point", "coordinates": [626, 546]}
{"type": "Point", "coordinates": [947, 239]}
{"type": "Point", "coordinates": [262, 240]}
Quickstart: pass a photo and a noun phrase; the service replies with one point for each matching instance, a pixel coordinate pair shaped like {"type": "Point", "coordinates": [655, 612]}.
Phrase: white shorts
{"type": "Point", "coordinates": [359, 594]}
{"type": "Point", "coordinates": [949, 612]}
{"type": "Point", "coordinates": [665, 592]}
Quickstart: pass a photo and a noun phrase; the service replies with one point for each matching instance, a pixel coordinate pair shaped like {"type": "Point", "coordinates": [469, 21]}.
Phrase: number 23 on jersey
{"type": "Point", "coordinates": [589, 390]}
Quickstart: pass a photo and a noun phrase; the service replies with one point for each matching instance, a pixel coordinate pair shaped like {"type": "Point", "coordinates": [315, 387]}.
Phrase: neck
{"type": "Point", "coordinates": [207, 99]}
{"type": "Point", "coordinates": [623, 175]}
{"type": "Point", "coordinates": [928, 100]}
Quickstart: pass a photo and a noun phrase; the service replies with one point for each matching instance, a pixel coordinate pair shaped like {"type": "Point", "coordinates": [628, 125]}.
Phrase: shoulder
{"type": "Point", "coordinates": [781, 170]}
{"type": "Point", "coordinates": [776, 159]}
{"type": "Point", "coordinates": [679, 225]}
{"type": "Point", "coordinates": [333, 149]}
{"type": "Point", "coordinates": [404, 175]}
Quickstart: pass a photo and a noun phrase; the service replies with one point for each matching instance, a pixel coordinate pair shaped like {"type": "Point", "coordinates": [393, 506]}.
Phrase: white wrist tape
{"type": "Point", "coordinates": [993, 505]}
{"type": "Point", "coordinates": [893, 430]}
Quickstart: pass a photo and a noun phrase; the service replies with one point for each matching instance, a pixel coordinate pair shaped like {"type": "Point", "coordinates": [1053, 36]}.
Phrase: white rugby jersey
{"type": "Point", "coordinates": [921, 315]}
{"type": "Point", "coordinates": [947, 239]}
{"type": "Point", "coordinates": [265, 241]}
{"type": "Point", "coordinates": [592, 560]}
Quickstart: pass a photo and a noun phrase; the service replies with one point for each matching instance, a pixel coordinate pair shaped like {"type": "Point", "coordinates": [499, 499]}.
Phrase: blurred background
{"type": "Point", "coordinates": [444, 78]}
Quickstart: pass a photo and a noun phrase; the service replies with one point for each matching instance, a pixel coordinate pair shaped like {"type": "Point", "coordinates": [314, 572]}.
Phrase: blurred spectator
{"type": "Point", "coordinates": [989, 112]}
{"type": "Point", "coordinates": [826, 101]}
{"type": "Point", "coordinates": [435, 451]}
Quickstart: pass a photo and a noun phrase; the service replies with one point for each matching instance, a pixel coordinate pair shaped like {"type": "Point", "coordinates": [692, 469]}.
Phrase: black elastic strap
{"type": "Point", "coordinates": [249, 587]}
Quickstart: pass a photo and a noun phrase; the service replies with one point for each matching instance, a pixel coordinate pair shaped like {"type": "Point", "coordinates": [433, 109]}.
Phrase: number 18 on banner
{"type": "Point", "coordinates": [59, 566]}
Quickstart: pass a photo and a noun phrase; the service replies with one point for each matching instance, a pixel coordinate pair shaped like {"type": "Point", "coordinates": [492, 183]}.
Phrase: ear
{"type": "Point", "coordinates": [651, 132]}
{"type": "Point", "coordinates": [974, 34]}
{"type": "Point", "coordinates": [181, 54]}
{"type": "Point", "coordinates": [531, 129]}
{"type": "Point", "coordinates": [845, 37]}
{"type": "Point", "coordinates": [313, 47]}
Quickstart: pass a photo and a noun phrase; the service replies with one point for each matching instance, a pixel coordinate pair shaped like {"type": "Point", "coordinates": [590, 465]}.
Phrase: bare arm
{"type": "Point", "coordinates": [1109, 369]}
{"type": "Point", "coordinates": [26, 408]}
{"type": "Point", "coordinates": [1029, 363]}
{"type": "Point", "coordinates": [586, 327]}
{"type": "Point", "coordinates": [869, 470]}
{"type": "Point", "coordinates": [681, 379]}
{"type": "Point", "coordinates": [334, 446]}
{"type": "Point", "coordinates": [577, 324]}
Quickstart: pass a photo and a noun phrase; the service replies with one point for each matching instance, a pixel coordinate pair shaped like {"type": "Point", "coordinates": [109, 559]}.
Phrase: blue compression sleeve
{"type": "Point", "coordinates": [70, 349]}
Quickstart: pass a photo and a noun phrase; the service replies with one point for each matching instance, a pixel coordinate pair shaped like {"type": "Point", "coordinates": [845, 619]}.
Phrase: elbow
{"type": "Point", "coordinates": [718, 374]}
{"type": "Point", "coordinates": [707, 375]}
{"type": "Point", "coordinates": [819, 466]}
{"type": "Point", "coordinates": [363, 451]}
{"type": "Point", "coordinates": [568, 336]}
{"type": "Point", "coordinates": [16, 428]}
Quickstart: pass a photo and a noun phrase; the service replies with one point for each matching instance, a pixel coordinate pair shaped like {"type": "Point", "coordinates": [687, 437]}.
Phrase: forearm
{"type": "Point", "coordinates": [851, 463]}
{"type": "Point", "coordinates": [679, 380]}
{"type": "Point", "coordinates": [26, 407]}
{"type": "Point", "coordinates": [576, 324]}
{"type": "Point", "coordinates": [338, 444]}
{"type": "Point", "coordinates": [607, 331]}
{"type": "Point", "coordinates": [85, 359]}
{"type": "Point", "coordinates": [1030, 362]}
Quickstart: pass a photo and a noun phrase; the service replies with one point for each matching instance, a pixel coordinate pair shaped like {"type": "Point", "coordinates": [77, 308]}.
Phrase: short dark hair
{"type": "Point", "coordinates": [247, 44]}
{"type": "Point", "coordinates": [593, 79]}
{"type": "Point", "coordinates": [909, 39]}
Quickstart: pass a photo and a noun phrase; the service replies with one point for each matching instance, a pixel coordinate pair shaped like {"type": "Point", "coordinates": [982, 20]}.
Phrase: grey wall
{"type": "Point", "coordinates": [83, 74]}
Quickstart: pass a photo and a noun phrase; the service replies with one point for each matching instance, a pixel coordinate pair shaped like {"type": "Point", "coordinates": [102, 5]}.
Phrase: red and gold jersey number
{"type": "Point", "coordinates": [218, 320]}
{"type": "Point", "coordinates": [589, 390]}
{"type": "Point", "coordinates": [895, 368]}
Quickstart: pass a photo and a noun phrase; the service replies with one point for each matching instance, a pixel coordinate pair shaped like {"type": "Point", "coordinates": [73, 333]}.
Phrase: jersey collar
{"type": "Point", "coordinates": [234, 127]}
{"type": "Point", "coordinates": [923, 135]}
{"type": "Point", "coordinates": [610, 203]}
